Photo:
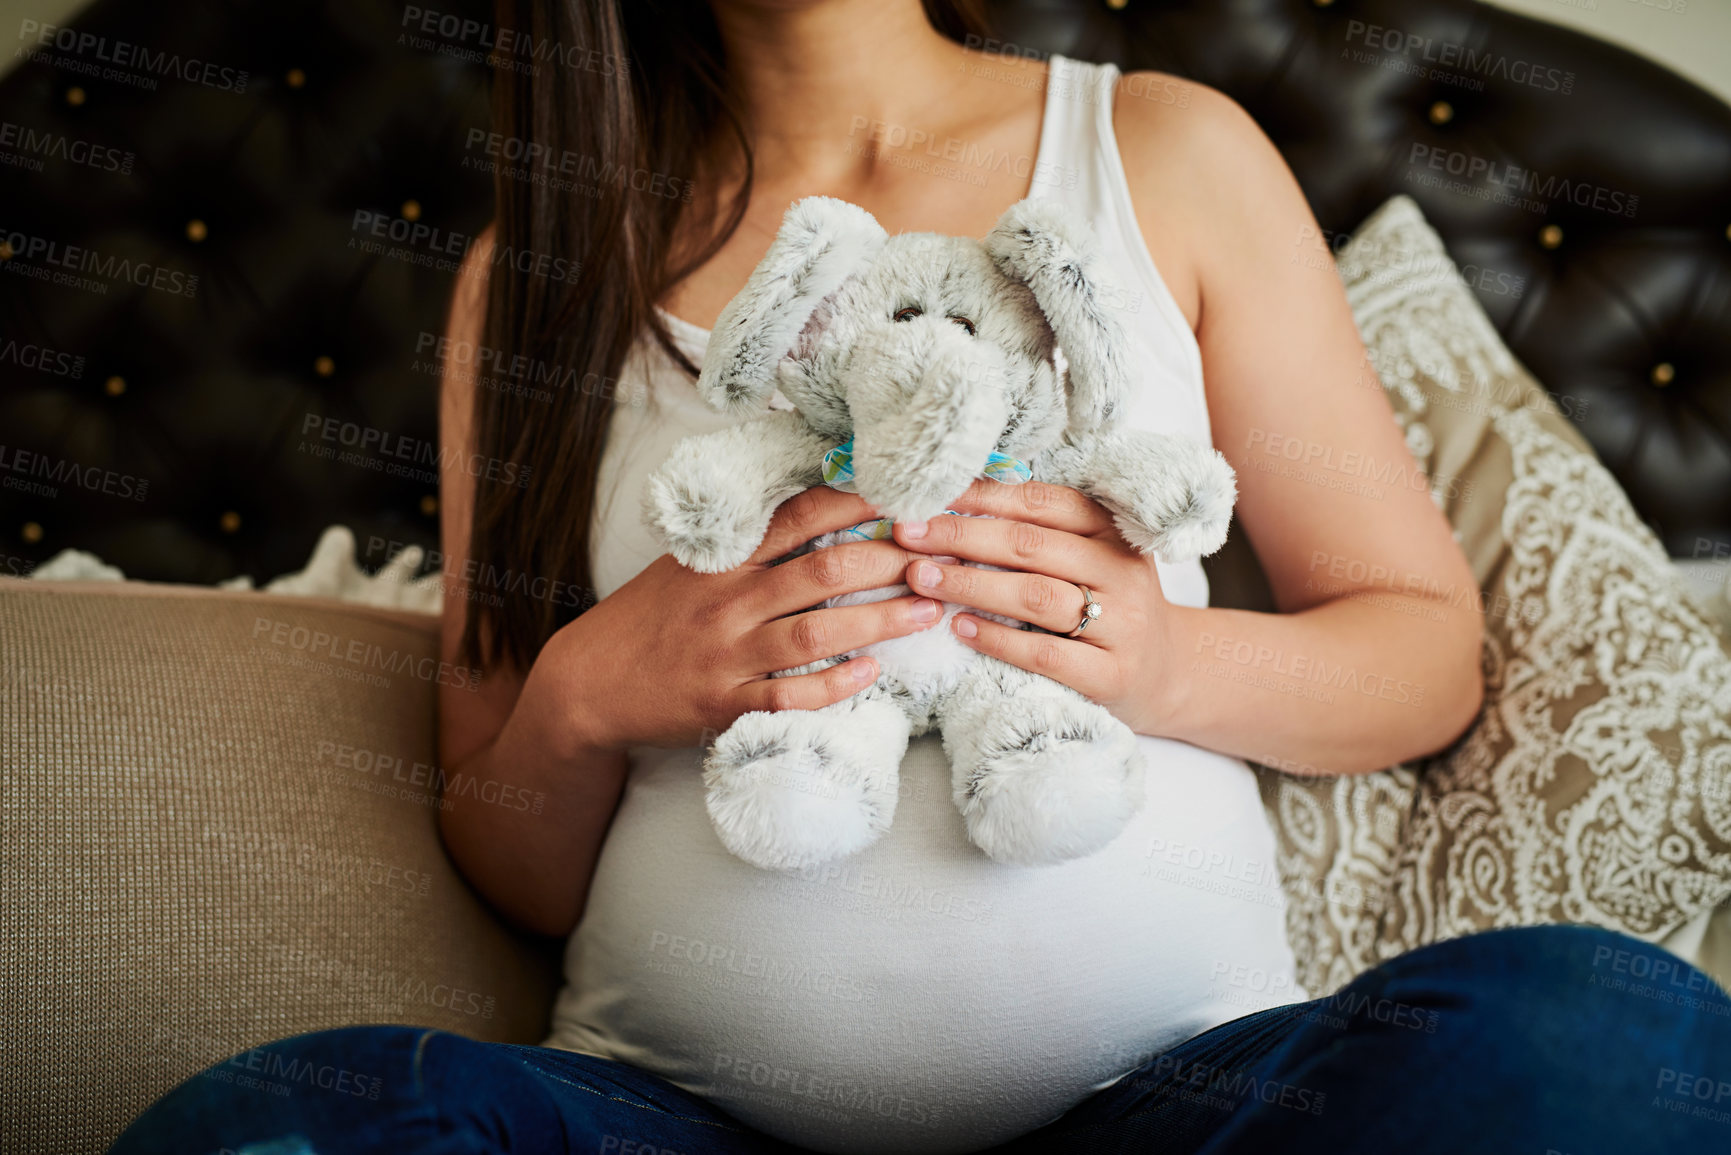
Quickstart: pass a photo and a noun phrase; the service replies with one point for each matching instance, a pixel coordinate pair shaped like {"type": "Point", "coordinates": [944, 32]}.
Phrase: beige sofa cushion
{"type": "Point", "coordinates": [212, 837]}
{"type": "Point", "coordinates": [1595, 785]}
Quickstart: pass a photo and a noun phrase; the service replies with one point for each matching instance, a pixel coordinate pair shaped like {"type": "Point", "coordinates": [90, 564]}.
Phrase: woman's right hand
{"type": "Point", "coordinates": [673, 656]}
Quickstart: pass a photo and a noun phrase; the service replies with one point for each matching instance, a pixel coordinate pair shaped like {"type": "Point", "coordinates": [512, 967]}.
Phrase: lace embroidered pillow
{"type": "Point", "coordinates": [1595, 785]}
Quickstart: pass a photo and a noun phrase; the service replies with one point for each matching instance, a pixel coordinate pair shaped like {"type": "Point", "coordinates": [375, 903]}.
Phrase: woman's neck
{"type": "Point", "coordinates": [834, 70]}
{"type": "Point", "coordinates": [861, 100]}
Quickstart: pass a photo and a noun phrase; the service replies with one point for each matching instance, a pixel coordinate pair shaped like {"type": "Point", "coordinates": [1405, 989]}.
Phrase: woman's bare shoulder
{"type": "Point", "coordinates": [1185, 136]}
{"type": "Point", "coordinates": [1207, 184]}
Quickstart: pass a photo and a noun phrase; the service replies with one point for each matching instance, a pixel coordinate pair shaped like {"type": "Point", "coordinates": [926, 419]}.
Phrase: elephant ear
{"type": "Point", "coordinates": [1051, 251]}
{"type": "Point", "coordinates": [822, 242]}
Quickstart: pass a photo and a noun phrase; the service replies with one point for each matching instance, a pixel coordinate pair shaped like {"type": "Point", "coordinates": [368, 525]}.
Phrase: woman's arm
{"type": "Point", "coordinates": [1374, 656]}
{"type": "Point", "coordinates": [532, 861]}
{"type": "Point", "coordinates": [1287, 376]}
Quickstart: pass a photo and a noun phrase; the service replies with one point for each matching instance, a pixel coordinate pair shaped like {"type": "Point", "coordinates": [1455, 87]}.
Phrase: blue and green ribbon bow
{"type": "Point", "coordinates": [838, 474]}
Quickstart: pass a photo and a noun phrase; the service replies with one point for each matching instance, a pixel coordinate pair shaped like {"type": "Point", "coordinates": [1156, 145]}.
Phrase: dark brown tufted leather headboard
{"type": "Point", "coordinates": [225, 197]}
{"type": "Point", "coordinates": [181, 430]}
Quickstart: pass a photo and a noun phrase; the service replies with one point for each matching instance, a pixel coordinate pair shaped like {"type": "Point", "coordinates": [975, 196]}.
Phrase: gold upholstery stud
{"type": "Point", "coordinates": [1441, 112]}
{"type": "Point", "coordinates": [31, 533]}
{"type": "Point", "coordinates": [429, 505]}
{"type": "Point", "coordinates": [1663, 374]}
{"type": "Point", "coordinates": [295, 78]}
{"type": "Point", "coordinates": [229, 521]}
{"type": "Point", "coordinates": [115, 385]}
{"type": "Point", "coordinates": [196, 230]}
{"type": "Point", "coordinates": [75, 96]}
{"type": "Point", "coordinates": [411, 210]}
{"type": "Point", "coordinates": [1116, 5]}
{"type": "Point", "coordinates": [1551, 236]}
{"type": "Point", "coordinates": [324, 366]}
{"type": "Point", "coordinates": [1323, 3]}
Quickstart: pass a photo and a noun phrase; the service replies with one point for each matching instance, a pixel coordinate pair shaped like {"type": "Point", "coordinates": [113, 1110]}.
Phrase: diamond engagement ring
{"type": "Point", "coordinates": [1091, 610]}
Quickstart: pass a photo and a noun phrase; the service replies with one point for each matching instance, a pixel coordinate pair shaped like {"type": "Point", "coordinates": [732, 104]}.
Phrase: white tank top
{"type": "Point", "coordinates": [918, 996]}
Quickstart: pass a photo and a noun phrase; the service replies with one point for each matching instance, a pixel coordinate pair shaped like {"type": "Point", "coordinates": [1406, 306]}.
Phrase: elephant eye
{"type": "Point", "coordinates": [909, 313]}
{"type": "Point", "coordinates": [964, 323]}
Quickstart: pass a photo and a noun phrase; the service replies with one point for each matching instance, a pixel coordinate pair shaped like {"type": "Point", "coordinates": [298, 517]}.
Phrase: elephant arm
{"type": "Point", "coordinates": [711, 501]}
{"type": "Point", "coordinates": [1169, 495]}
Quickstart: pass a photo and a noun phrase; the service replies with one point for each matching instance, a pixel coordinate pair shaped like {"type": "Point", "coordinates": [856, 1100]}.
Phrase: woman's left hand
{"type": "Point", "coordinates": [1055, 540]}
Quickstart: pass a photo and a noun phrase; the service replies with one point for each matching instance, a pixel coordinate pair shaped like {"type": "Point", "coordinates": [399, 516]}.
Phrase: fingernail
{"type": "Point", "coordinates": [946, 559]}
{"type": "Point", "coordinates": [925, 610]}
{"type": "Point", "coordinates": [965, 627]}
{"type": "Point", "coordinates": [927, 574]}
{"type": "Point", "coordinates": [913, 530]}
{"type": "Point", "coordinates": [863, 672]}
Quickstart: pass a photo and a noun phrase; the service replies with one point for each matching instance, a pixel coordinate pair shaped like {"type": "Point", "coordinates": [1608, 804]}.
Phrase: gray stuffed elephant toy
{"type": "Point", "coordinates": [915, 364]}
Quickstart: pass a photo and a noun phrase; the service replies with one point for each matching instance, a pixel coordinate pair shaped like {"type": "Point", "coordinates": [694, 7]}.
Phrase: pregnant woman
{"type": "Point", "coordinates": [918, 997]}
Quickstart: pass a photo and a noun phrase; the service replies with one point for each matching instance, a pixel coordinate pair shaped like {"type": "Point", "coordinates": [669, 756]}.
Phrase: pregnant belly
{"type": "Point", "coordinates": [917, 996]}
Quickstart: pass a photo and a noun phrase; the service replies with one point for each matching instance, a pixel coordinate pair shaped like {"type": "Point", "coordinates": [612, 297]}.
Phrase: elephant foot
{"type": "Point", "coordinates": [793, 789]}
{"type": "Point", "coordinates": [1045, 780]}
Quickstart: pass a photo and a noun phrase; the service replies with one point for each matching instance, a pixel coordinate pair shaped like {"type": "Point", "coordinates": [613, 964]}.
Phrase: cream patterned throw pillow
{"type": "Point", "coordinates": [1595, 785]}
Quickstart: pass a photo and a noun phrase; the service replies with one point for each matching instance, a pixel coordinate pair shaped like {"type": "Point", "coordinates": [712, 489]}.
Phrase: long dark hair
{"type": "Point", "coordinates": [591, 89]}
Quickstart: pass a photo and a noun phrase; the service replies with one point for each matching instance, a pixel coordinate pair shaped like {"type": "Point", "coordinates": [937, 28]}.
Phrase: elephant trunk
{"type": "Point", "coordinates": [929, 403]}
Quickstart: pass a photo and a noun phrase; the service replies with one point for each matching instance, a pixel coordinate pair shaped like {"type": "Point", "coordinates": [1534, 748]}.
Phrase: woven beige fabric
{"type": "Point", "coordinates": [210, 839]}
{"type": "Point", "coordinates": [1595, 786]}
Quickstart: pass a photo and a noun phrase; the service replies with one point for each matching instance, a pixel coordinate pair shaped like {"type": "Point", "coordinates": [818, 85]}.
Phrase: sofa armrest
{"type": "Point", "coordinates": [218, 827]}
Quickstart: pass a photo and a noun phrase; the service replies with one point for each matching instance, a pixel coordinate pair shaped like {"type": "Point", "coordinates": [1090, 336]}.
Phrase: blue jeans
{"type": "Point", "coordinates": [1564, 1040]}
